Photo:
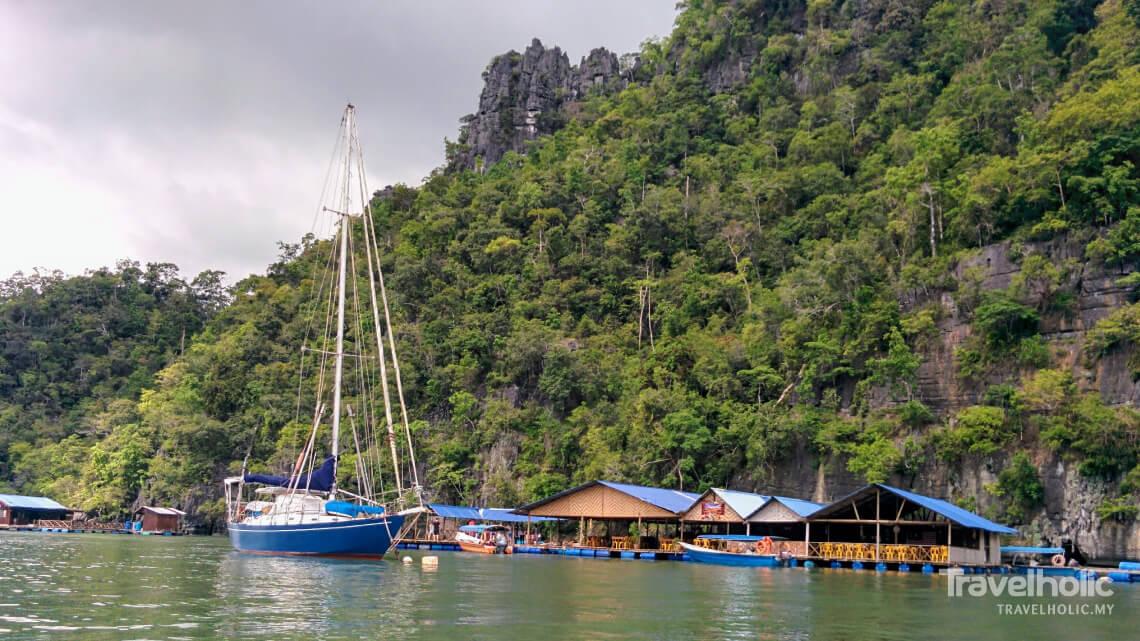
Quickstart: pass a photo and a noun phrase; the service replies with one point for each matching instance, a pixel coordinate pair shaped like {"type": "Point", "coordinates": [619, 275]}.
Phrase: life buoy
{"type": "Point", "coordinates": [764, 546]}
{"type": "Point", "coordinates": [1058, 560]}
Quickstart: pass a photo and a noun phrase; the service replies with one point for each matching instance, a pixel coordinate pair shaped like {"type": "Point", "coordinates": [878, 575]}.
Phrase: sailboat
{"type": "Point", "coordinates": [307, 512]}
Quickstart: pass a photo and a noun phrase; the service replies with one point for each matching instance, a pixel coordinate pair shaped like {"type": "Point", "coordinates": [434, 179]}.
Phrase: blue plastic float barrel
{"type": "Point", "coordinates": [835, 565]}
{"type": "Point", "coordinates": [809, 564]}
{"type": "Point", "coordinates": [857, 565]}
{"type": "Point", "coordinates": [903, 567]}
{"type": "Point", "coordinates": [927, 568]}
{"type": "Point", "coordinates": [1129, 565]}
{"type": "Point", "coordinates": [1120, 577]}
{"type": "Point", "coordinates": [880, 567]}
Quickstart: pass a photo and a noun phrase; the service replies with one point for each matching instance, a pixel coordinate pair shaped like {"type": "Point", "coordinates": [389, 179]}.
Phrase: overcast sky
{"type": "Point", "coordinates": [198, 133]}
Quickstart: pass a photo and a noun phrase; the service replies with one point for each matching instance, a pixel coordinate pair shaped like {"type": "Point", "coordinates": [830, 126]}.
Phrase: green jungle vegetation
{"type": "Point", "coordinates": [676, 288]}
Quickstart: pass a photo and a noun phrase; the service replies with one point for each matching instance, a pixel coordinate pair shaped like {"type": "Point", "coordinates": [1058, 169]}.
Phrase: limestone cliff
{"type": "Point", "coordinates": [527, 95]}
{"type": "Point", "coordinates": [1071, 499]}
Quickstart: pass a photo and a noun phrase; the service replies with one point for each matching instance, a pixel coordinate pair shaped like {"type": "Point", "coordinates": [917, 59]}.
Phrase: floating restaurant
{"type": "Point", "coordinates": [887, 525]}
{"type": "Point", "coordinates": [618, 519]}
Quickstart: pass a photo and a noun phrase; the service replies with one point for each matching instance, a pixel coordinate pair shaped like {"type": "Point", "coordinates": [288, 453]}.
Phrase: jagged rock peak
{"type": "Point", "coordinates": [525, 95]}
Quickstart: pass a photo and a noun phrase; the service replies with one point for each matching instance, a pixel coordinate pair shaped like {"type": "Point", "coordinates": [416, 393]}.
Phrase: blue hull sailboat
{"type": "Point", "coordinates": [365, 538]}
{"type": "Point", "coordinates": [308, 513]}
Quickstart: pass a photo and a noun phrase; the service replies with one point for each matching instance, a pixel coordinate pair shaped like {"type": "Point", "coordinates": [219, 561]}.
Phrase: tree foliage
{"type": "Point", "coordinates": [690, 283]}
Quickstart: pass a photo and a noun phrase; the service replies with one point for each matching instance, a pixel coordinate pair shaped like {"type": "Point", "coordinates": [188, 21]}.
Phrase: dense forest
{"type": "Point", "coordinates": [686, 284]}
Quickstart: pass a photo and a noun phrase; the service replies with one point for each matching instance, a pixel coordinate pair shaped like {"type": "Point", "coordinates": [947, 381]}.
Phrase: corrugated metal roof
{"type": "Point", "coordinates": [165, 511]}
{"type": "Point", "coordinates": [31, 502]}
{"type": "Point", "coordinates": [455, 511]}
{"type": "Point", "coordinates": [946, 509]}
{"type": "Point", "coordinates": [674, 501]}
{"type": "Point", "coordinates": [799, 506]}
{"type": "Point", "coordinates": [506, 515]}
{"type": "Point", "coordinates": [953, 512]}
{"type": "Point", "coordinates": [743, 503]}
{"type": "Point", "coordinates": [501, 514]}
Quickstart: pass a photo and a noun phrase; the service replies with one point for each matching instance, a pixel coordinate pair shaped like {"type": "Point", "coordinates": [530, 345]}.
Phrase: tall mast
{"type": "Point", "coordinates": [342, 270]}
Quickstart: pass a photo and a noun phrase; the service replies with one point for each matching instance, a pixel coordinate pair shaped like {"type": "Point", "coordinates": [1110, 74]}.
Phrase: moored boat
{"type": "Point", "coordinates": [307, 513]}
{"type": "Point", "coordinates": [484, 539]}
{"type": "Point", "coordinates": [737, 550]}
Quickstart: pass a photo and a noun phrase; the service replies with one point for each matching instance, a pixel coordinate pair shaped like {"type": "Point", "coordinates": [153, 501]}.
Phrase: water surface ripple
{"type": "Point", "coordinates": [59, 586]}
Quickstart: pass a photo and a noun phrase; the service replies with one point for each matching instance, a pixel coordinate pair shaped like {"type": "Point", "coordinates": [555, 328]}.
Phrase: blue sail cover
{"type": "Point", "coordinates": [352, 509]}
{"type": "Point", "coordinates": [319, 480]}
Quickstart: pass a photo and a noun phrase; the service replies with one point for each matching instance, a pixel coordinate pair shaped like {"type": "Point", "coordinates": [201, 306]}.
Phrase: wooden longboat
{"type": "Point", "coordinates": [485, 539]}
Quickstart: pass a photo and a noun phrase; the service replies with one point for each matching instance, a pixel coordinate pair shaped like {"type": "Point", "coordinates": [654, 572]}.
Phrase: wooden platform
{"type": "Point", "coordinates": [427, 544]}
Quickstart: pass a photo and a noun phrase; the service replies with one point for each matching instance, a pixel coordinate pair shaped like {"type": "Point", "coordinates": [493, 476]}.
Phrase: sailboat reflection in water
{"type": "Point", "coordinates": [306, 512]}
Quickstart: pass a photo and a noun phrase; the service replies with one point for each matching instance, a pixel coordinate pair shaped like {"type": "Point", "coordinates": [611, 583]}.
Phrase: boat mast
{"type": "Point", "coordinates": [342, 269]}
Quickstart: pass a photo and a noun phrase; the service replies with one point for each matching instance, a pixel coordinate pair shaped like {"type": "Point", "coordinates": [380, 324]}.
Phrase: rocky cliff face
{"type": "Point", "coordinates": [1094, 293]}
{"type": "Point", "coordinates": [527, 95]}
{"type": "Point", "coordinates": [1071, 498]}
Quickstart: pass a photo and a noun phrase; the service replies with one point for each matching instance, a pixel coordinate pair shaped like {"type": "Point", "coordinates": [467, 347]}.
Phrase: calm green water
{"type": "Point", "coordinates": [59, 586]}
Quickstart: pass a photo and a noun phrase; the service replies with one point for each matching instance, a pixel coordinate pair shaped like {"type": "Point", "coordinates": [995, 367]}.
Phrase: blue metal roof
{"type": "Point", "coordinates": [674, 501]}
{"type": "Point", "coordinates": [455, 511]}
{"type": "Point", "coordinates": [31, 503]}
{"type": "Point", "coordinates": [799, 506]}
{"type": "Point", "coordinates": [501, 514]}
{"type": "Point", "coordinates": [743, 503]}
{"type": "Point", "coordinates": [950, 511]}
{"type": "Point", "coordinates": [505, 515]}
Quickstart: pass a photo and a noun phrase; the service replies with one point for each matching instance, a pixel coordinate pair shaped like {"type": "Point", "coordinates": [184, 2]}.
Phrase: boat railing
{"type": "Point", "coordinates": [884, 552]}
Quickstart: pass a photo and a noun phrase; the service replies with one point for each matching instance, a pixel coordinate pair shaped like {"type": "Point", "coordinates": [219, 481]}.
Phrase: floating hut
{"type": "Point", "coordinates": [444, 520]}
{"type": "Point", "coordinates": [607, 513]}
{"type": "Point", "coordinates": [159, 520]}
{"type": "Point", "coordinates": [23, 511]}
{"type": "Point", "coordinates": [785, 518]}
{"type": "Point", "coordinates": [885, 524]}
{"type": "Point", "coordinates": [728, 509]}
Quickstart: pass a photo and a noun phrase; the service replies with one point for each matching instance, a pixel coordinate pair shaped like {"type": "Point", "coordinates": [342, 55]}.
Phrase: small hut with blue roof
{"type": "Point", "coordinates": [23, 511]}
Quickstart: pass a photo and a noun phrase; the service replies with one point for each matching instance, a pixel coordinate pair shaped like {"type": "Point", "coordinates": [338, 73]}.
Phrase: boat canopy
{"type": "Point", "coordinates": [344, 508]}
{"type": "Point", "coordinates": [484, 528]}
{"type": "Point", "coordinates": [319, 480]}
{"type": "Point", "coordinates": [740, 537]}
{"type": "Point", "coordinates": [1029, 549]}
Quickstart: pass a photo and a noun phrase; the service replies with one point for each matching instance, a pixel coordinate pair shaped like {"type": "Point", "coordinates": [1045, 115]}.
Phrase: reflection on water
{"type": "Point", "coordinates": [58, 586]}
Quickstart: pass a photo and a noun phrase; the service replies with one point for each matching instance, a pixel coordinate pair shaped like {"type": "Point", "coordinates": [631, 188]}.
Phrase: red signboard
{"type": "Point", "coordinates": [712, 509]}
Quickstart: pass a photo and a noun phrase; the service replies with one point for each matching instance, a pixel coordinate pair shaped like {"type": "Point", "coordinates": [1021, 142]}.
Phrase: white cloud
{"type": "Point", "coordinates": [199, 133]}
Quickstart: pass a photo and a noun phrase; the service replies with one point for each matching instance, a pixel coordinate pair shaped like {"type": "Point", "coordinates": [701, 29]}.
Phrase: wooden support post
{"type": "Point", "coordinates": [581, 530]}
{"type": "Point", "coordinates": [638, 532]}
{"type": "Point", "coordinates": [807, 537]}
{"type": "Point", "coordinates": [748, 528]}
{"type": "Point", "coordinates": [528, 529]}
{"type": "Point", "coordinates": [878, 526]}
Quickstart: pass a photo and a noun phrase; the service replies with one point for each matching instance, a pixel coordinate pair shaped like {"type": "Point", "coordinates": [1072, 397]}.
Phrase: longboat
{"type": "Point", "coordinates": [737, 550]}
{"type": "Point", "coordinates": [484, 539]}
{"type": "Point", "coordinates": [307, 513]}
